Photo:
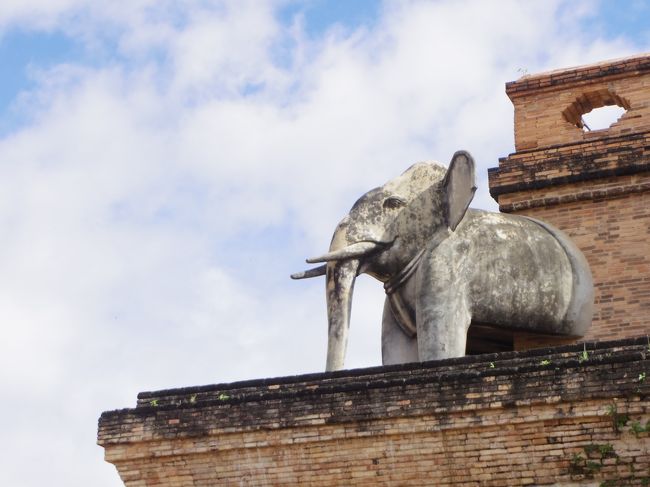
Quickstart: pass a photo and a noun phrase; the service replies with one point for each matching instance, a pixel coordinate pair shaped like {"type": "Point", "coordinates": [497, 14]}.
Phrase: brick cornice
{"type": "Point", "coordinates": [580, 75]}
{"type": "Point", "coordinates": [571, 163]}
{"type": "Point", "coordinates": [588, 194]}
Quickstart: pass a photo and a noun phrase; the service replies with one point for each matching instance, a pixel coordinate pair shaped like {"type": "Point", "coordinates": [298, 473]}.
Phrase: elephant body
{"type": "Point", "coordinates": [445, 266]}
{"type": "Point", "coordinates": [498, 269]}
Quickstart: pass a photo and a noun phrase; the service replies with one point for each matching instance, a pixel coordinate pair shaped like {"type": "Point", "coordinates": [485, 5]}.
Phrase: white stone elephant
{"type": "Point", "coordinates": [445, 266]}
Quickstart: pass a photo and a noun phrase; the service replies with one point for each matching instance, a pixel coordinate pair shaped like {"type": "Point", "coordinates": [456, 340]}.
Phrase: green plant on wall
{"type": "Point", "coordinates": [619, 420]}
{"type": "Point", "coordinates": [637, 428]}
{"type": "Point", "coordinates": [592, 461]}
{"type": "Point", "coordinates": [600, 450]}
{"type": "Point", "coordinates": [576, 464]}
{"type": "Point", "coordinates": [581, 466]}
{"type": "Point", "coordinates": [606, 449]}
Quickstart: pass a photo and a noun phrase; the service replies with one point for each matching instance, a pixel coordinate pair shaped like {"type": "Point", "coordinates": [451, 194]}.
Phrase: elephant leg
{"type": "Point", "coordinates": [443, 314]}
{"type": "Point", "coordinates": [442, 330]}
{"type": "Point", "coordinates": [396, 346]}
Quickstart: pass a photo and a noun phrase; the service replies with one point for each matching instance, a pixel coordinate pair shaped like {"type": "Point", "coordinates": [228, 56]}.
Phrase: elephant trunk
{"type": "Point", "coordinates": [340, 286]}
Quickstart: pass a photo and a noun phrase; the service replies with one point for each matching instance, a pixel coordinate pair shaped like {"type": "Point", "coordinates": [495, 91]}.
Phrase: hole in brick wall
{"type": "Point", "coordinates": [601, 118]}
{"type": "Point", "coordinates": [596, 110]}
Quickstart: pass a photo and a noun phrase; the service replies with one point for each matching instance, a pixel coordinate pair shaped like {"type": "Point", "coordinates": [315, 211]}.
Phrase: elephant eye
{"type": "Point", "coordinates": [394, 202]}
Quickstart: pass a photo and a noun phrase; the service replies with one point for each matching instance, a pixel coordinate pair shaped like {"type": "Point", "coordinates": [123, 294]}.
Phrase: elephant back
{"type": "Point", "coordinates": [580, 312]}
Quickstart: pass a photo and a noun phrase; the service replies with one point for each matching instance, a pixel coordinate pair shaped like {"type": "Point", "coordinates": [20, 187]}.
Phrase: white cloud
{"type": "Point", "coordinates": [154, 205]}
{"type": "Point", "coordinates": [41, 14]}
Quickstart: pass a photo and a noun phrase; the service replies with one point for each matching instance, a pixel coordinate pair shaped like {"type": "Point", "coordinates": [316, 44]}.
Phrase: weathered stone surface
{"type": "Point", "coordinates": [445, 267]}
{"type": "Point", "coordinates": [543, 417]}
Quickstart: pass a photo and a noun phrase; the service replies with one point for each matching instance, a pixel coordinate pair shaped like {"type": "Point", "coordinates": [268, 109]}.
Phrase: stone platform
{"type": "Point", "coordinates": [555, 416]}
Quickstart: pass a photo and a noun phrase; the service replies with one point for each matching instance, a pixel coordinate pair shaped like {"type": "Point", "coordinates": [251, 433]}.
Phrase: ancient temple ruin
{"type": "Point", "coordinates": [542, 411]}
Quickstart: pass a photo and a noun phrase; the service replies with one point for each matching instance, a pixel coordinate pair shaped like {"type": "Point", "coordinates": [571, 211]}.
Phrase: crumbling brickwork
{"type": "Point", "coordinates": [548, 105]}
{"type": "Point", "coordinates": [593, 185]}
{"type": "Point", "coordinates": [561, 417]}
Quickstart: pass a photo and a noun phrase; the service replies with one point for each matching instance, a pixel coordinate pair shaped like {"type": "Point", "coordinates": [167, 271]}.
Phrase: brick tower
{"type": "Point", "coordinates": [594, 185]}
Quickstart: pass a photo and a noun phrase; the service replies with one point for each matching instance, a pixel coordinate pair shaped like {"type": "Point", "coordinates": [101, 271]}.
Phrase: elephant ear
{"type": "Point", "coordinates": [459, 186]}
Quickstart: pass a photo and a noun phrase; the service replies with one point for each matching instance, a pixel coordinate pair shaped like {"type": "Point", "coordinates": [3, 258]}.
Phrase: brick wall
{"type": "Point", "coordinates": [546, 104]}
{"type": "Point", "coordinates": [542, 417]}
{"type": "Point", "coordinates": [593, 185]}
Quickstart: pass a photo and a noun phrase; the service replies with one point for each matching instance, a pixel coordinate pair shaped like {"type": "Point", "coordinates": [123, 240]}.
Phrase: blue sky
{"type": "Point", "coordinates": [25, 48]}
{"type": "Point", "coordinates": [164, 167]}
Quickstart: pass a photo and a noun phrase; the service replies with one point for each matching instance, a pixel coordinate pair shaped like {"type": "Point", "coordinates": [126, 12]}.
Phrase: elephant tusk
{"type": "Point", "coordinates": [317, 271]}
{"type": "Point", "coordinates": [351, 251]}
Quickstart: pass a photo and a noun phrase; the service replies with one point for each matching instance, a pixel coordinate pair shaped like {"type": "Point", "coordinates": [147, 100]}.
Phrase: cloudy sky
{"type": "Point", "coordinates": [165, 165]}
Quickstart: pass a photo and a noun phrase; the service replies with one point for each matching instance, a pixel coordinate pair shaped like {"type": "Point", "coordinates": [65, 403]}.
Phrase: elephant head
{"type": "Point", "coordinates": [383, 233]}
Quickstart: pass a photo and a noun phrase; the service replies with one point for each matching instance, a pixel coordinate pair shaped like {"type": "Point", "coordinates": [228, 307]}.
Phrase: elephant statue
{"type": "Point", "coordinates": [445, 266]}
